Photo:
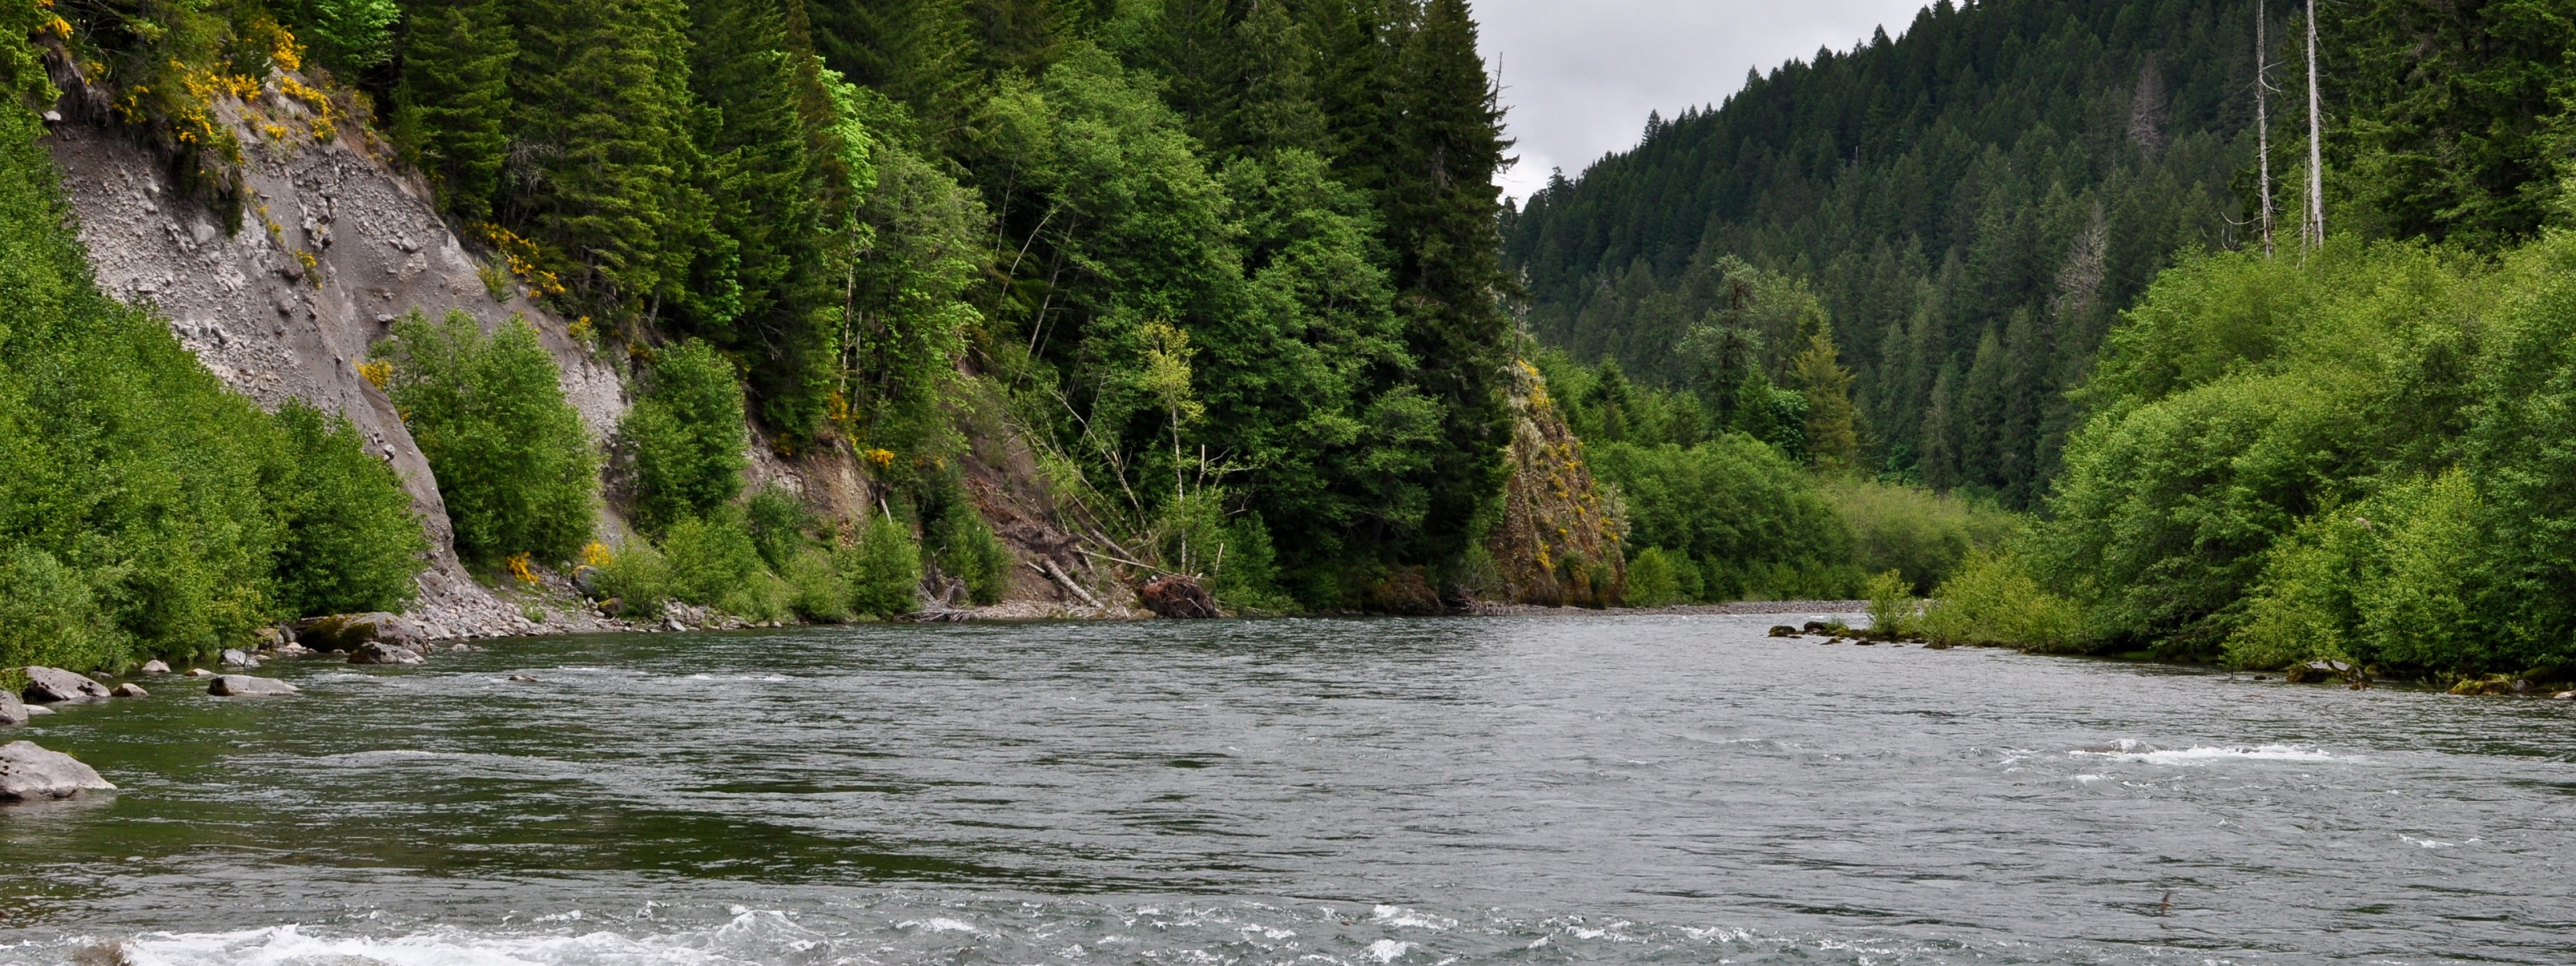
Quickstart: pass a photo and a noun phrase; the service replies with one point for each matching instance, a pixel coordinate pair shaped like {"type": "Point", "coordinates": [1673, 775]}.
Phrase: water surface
{"type": "Point", "coordinates": [1539, 790]}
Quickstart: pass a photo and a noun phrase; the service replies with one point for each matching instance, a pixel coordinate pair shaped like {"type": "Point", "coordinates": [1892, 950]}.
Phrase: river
{"type": "Point", "coordinates": [1364, 792]}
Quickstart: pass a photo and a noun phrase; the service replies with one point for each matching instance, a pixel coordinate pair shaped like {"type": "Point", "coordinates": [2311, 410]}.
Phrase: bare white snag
{"type": "Point", "coordinates": [2263, 113]}
{"type": "Point", "coordinates": [2316, 226]}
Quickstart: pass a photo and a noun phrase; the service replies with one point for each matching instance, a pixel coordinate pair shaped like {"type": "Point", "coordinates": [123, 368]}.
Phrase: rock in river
{"type": "Point", "coordinates": [245, 686]}
{"type": "Point", "coordinates": [1177, 596]}
{"type": "Point", "coordinates": [30, 773]}
{"type": "Point", "coordinates": [12, 711]}
{"type": "Point", "coordinates": [130, 690]}
{"type": "Point", "coordinates": [346, 632]}
{"type": "Point", "coordinates": [156, 666]}
{"type": "Point", "coordinates": [47, 686]}
{"type": "Point", "coordinates": [374, 653]}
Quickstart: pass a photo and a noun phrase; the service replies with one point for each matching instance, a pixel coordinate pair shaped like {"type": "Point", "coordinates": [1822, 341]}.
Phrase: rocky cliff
{"type": "Point", "coordinates": [334, 245]}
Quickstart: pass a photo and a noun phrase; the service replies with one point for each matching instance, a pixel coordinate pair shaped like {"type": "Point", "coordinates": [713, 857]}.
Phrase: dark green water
{"type": "Point", "coordinates": [1670, 790]}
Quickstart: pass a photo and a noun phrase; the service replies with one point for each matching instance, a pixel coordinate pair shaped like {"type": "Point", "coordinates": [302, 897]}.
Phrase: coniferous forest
{"type": "Point", "coordinates": [2030, 308]}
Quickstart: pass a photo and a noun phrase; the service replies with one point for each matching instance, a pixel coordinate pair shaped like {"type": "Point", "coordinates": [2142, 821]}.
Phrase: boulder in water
{"type": "Point", "coordinates": [12, 710]}
{"type": "Point", "coordinates": [238, 658]}
{"type": "Point", "coordinates": [130, 690]}
{"type": "Point", "coordinates": [2563, 696]}
{"type": "Point", "coordinates": [347, 632]}
{"type": "Point", "coordinates": [377, 653]}
{"type": "Point", "coordinates": [198, 672]}
{"type": "Point", "coordinates": [29, 773]}
{"type": "Point", "coordinates": [1783, 630]}
{"type": "Point", "coordinates": [245, 686]}
{"type": "Point", "coordinates": [50, 686]}
{"type": "Point", "coordinates": [156, 666]}
{"type": "Point", "coordinates": [1173, 595]}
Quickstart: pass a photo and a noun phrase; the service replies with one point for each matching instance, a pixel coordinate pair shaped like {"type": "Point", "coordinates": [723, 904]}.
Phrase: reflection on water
{"type": "Point", "coordinates": [1363, 792]}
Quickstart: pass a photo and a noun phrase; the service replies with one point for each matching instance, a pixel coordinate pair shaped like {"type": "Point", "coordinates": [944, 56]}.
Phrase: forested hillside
{"type": "Point", "coordinates": [1971, 205]}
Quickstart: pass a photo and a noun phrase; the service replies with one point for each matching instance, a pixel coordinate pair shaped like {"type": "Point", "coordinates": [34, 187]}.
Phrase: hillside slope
{"type": "Point", "coordinates": [1972, 203]}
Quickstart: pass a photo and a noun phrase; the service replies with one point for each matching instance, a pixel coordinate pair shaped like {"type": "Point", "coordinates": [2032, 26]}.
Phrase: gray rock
{"type": "Point", "coordinates": [155, 666]}
{"type": "Point", "coordinates": [38, 710]}
{"type": "Point", "coordinates": [198, 672]}
{"type": "Point", "coordinates": [349, 631]}
{"type": "Point", "coordinates": [130, 690]}
{"type": "Point", "coordinates": [245, 686]}
{"type": "Point", "coordinates": [12, 711]}
{"type": "Point", "coordinates": [374, 653]}
{"type": "Point", "coordinates": [48, 685]}
{"type": "Point", "coordinates": [32, 774]}
{"type": "Point", "coordinates": [240, 659]}
{"type": "Point", "coordinates": [2564, 696]}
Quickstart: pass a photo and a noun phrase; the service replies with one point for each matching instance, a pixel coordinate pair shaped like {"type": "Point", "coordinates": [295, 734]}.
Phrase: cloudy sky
{"type": "Point", "coordinates": [1580, 75]}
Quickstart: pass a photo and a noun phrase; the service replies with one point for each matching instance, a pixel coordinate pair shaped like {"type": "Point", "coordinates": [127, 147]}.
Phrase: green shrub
{"type": "Point", "coordinates": [816, 591]}
{"type": "Point", "coordinates": [513, 462]}
{"type": "Point", "coordinates": [1654, 578]}
{"type": "Point", "coordinates": [1758, 525]}
{"type": "Point", "coordinates": [686, 436]}
{"type": "Point", "coordinates": [1916, 532]}
{"type": "Point", "coordinates": [352, 544]}
{"type": "Point", "coordinates": [1892, 605]}
{"type": "Point", "coordinates": [639, 577]}
{"type": "Point", "coordinates": [778, 521]}
{"type": "Point", "coordinates": [48, 615]}
{"type": "Point", "coordinates": [1993, 600]}
{"type": "Point", "coordinates": [881, 570]}
{"type": "Point", "coordinates": [712, 558]}
{"type": "Point", "coordinates": [965, 548]}
{"type": "Point", "coordinates": [760, 597]}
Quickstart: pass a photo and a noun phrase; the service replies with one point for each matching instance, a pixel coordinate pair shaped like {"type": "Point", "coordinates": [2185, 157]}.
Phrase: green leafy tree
{"type": "Point", "coordinates": [354, 36]}
{"type": "Point", "coordinates": [352, 544]}
{"type": "Point", "coordinates": [514, 465]}
{"type": "Point", "coordinates": [686, 436]}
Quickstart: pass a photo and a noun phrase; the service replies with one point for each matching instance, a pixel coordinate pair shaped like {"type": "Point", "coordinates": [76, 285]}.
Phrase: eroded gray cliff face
{"type": "Point", "coordinates": [335, 245]}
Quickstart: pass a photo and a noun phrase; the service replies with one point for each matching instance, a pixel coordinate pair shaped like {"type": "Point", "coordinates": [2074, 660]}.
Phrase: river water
{"type": "Point", "coordinates": [1365, 792]}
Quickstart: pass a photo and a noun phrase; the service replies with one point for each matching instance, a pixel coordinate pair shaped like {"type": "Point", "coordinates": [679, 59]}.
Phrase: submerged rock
{"type": "Point", "coordinates": [375, 653]}
{"type": "Point", "coordinates": [29, 773]}
{"type": "Point", "coordinates": [12, 710]}
{"type": "Point", "coordinates": [1783, 630]}
{"type": "Point", "coordinates": [50, 685]}
{"type": "Point", "coordinates": [1173, 595]}
{"type": "Point", "coordinates": [198, 672]}
{"type": "Point", "coordinates": [245, 686]}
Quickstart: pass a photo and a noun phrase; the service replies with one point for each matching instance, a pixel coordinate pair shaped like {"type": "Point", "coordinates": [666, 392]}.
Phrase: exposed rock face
{"type": "Point", "coordinates": [51, 686]}
{"type": "Point", "coordinates": [12, 711]}
{"type": "Point", "coordinates": [334, 246]}
{"type": "Point", "coordinates": [348, 632]}
{"type": "Point", "coordinates": [245, 686]}
{"type": "Point", "coordinates": [29, 773]}
{"type": "Point", "coordinates": [1177, 596]}
{"type": "Point", "coordinates": [1559, 540]}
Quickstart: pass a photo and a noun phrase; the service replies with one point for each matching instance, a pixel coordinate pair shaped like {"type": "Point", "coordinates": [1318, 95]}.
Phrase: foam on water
{"type": "Point", "coordinates": [2139, 751]}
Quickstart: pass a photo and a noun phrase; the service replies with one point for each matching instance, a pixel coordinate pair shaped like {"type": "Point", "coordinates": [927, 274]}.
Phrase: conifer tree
{"type": "Point", "coordinates": [602, 112]}
{"type": "Point", "coordinates": [1191, 44]}
{"type": "Point", "coordinates": [758, 285]}
{"type": "Point", "coordinates": [1832, 440]}
{"type": "Point", "coordinates": [452, 102]}
{"type": "Point", "coordinates": [1443, 207]}
{"type": "Point", "coordinates": [913, 51]}
{"type": "Point", "coordinates": [1276, 107]}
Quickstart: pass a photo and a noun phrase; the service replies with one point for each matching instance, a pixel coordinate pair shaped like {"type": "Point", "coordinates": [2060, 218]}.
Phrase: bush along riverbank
{"type": "Point", "coordinates": [2340, 462]}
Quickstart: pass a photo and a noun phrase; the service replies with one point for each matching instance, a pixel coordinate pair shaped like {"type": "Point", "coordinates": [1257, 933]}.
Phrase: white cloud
{"type": "Point", "coordinates": [1580, 75]}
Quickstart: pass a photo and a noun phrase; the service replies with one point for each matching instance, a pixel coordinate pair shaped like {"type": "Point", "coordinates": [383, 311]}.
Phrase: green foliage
{"type": "Point", "coordinates": [50, 617]}
{"type": "Point", "coordinates": [351, 542]}
{"type": "Point", "coordinates": [1994, 600]}
{"type": "Point", "coordinates": [881, 570]}
{"type": "Point", "coordinates": [1654, 578]}
{"type": "Point", "coordinates": [452, 103]}
{"type": "Point", "coordinates": [1916, 533]}
{"type": "Point", "coordinates": [1998, 174]}
{"type": "Point", "coordinates": [1892, 605]}
{"type": "Point", "coordinates": [816, 589]}
{"type": "Point", "coordinates": [965, 548]}
{"type": "Point", "coordinates": [638, 576]}
{"type": "Point", "coordinates": [1756, 525]}
{"type": "Point", "coordinates": [514, 464]}
{"type": "Point", "coordinates": [713, 561]}
{"type": "Point", "coordinates": [778, 521]}
{"type": "Point", "coordinates": [351, 36]}
{"type": "Point", "coordinates": [686, 436]}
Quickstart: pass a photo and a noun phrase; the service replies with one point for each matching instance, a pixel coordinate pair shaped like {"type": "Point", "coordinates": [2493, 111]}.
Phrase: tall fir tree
{"type": "Point", "coordinates": [452, 101]}
{"type": "Point", "coordinates": [1191, 44]}
{"type": "Point", "coordinates": [759, 283]}
{"type": "Point", "coordinates": [916, 52]}
{"type": "Point", "coordinates": [1276, 106]}
{"type": "Point", "coordinates": [1443, 209]}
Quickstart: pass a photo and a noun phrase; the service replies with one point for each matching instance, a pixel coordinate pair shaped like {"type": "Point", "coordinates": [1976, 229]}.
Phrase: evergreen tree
{"type": "Point", "coordinates": [1191, 44]}
{"type": "Point", "coordinates": [1276, 108]}
{"type": "Point", "coordinates": [913, 51]}
{"type": "Point", "coordinates": [1443, 208]}
{"type": "Point", "coordinates": [758, 288]}
{"type": "Point", "coordinates": [1832, 440]}
{"type": "Point", "coordinates": [452, 103]}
